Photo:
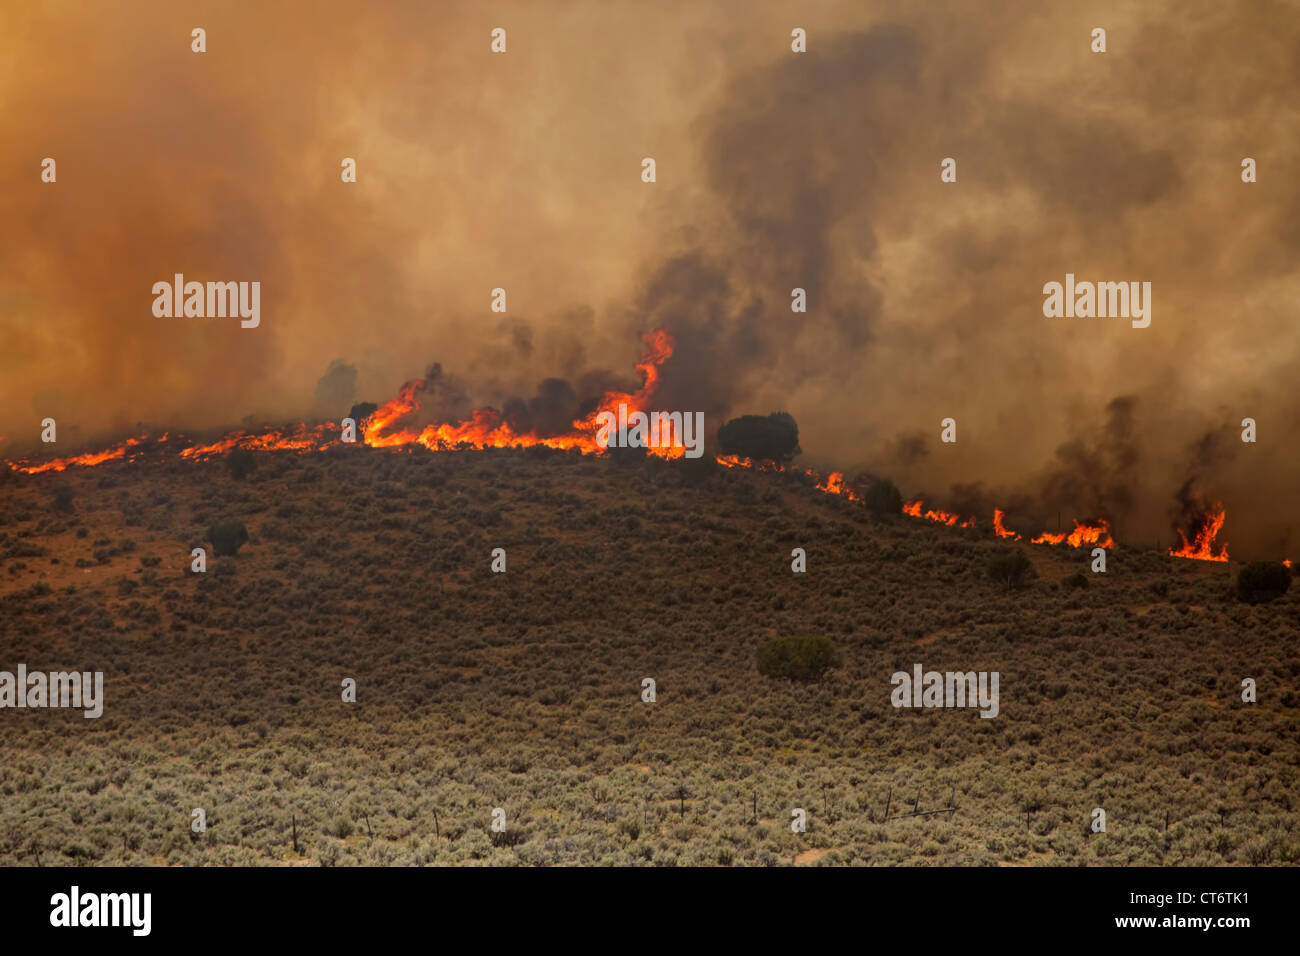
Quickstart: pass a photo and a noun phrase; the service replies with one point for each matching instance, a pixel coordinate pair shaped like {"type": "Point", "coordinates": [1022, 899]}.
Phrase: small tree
{"type": "Point", "coordinates": [241, 463]}
{"type": "Point", "coordinates": [883, 498]}
{"type": "Point", "coordinates": [1262, 581]}
{"type": "Point", "coordinates": [227, 536]}
{"type": "Point", "coordinates": [696, 471]}
{"type": "Point", "coordinates": [772, 437]}
{"type": "Point", "coordinates": [1011, 568]}
{"type": "Point", "coordinates": [797, 658]}
{"type": "Point", "coordinates": [361, 411]}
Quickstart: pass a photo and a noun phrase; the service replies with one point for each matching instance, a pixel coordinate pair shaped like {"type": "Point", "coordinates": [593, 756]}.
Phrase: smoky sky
{"type": "Point", "coordinates": [775, 170]}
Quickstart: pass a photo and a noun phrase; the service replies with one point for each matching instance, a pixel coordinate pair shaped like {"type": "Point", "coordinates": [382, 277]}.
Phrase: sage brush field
{"type": "Point", "coordinates": [522, 690]}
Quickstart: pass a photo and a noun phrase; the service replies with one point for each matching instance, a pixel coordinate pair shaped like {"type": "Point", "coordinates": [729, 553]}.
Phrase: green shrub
{"type": "Point", "coordinates": [1262, 581]}
{"type": "Point", "coordinates": [1076, 580]}
{"type": "Point", "coordinates": [227, 536]}
{"type": "Point", "coordinates": [883, 498]}
{"type": "Point", "coordinates": [63, 498]}
{"type": "Point", "coordinates": [241, 463]}
{"type": "Point", "coordinates": [1012, 568]}
{"type": "Point", "coordinates": [696, 471]}
{"type": "Point", "coordinates": [797, 658]}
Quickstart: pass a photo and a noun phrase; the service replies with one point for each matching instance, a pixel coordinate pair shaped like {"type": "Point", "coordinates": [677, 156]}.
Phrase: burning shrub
{"type": "Point", "coordinates": [1012, 568]}
{"type": "Point", "coordinates": [772, 437]}
{"type": "Point", "coordinates": [1262, 581]}
{"type": "Point", "coordinates": [797, 658]}
{"type": "Point", "coordinates": [241, 463]}
{"type": "Point", "coordinates": [882, 498]}
{"type": "Point", "coordinates": [227, 536]}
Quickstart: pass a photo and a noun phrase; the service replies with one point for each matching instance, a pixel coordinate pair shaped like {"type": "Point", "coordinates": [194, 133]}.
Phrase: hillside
{"type": "Point", "coordinates": [521, 690]}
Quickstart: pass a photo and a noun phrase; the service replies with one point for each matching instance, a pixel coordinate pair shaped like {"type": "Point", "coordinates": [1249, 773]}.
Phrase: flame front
{"type": "Point", "coordinates": [1201, 547]}
{"type": "Point", "coordinates": [487, 428]}
{"type": "Point", "coordinates": [913, 509]}
{"type": "Point", "coordinates": [1097, 535]}
{"type": "Point", "coordinates": [90, 458]}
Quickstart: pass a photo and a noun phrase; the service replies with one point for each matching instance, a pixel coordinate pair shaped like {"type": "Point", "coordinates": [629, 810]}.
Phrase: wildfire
{"type": "Point", "coordinates": [913, 508]}
{"type": "Point", "coordinates": [1201, 547]}
{"type": "Point", "coordinates": [297, 438]}
{"type": "Point", "coordinates": [1097, 535]}
{"type": "Point", "coordinates": [735, 461]}
{"type": "Point", "coordinates": [999, 529]}
{"type": "Point", "coordinates": [834, 485]}
{"type": "Point", "coordinates": [487, 428]}
{"type": "Point", "coordinates": [90, 458]}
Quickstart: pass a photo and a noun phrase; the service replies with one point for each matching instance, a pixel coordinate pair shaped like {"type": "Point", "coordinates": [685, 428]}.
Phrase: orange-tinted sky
{"type": "Point", "coordinates": [775, 170]}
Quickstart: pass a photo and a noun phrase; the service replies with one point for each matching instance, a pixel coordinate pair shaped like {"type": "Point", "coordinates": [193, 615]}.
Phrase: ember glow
{"type": "Point", "coordinates": [1202, 545]}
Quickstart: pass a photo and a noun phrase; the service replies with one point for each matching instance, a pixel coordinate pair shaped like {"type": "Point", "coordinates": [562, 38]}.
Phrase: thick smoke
{"type": "Point", "coordinates": [776, 171]}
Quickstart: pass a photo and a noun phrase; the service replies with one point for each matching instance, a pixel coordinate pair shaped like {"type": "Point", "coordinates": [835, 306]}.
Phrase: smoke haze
{"type": "Point", "coordinates": [775, 171]}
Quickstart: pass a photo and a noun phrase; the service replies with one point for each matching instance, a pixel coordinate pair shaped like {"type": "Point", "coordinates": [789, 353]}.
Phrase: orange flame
{"type": "Point", "coordinates": [1001, 530]}
{"type": "Point", "coordinates": [835, 485]}
{"type": "Point", "coordinates": [1097, 535]}
{"type": "Point", "coordinates": [1201, 547]}
{"type": "Point", "coordinates": [487, 428]}
{"type": "Point", "coordinates": [90, 458]}
{"type": "Point", "coordinates": [913, 509]}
